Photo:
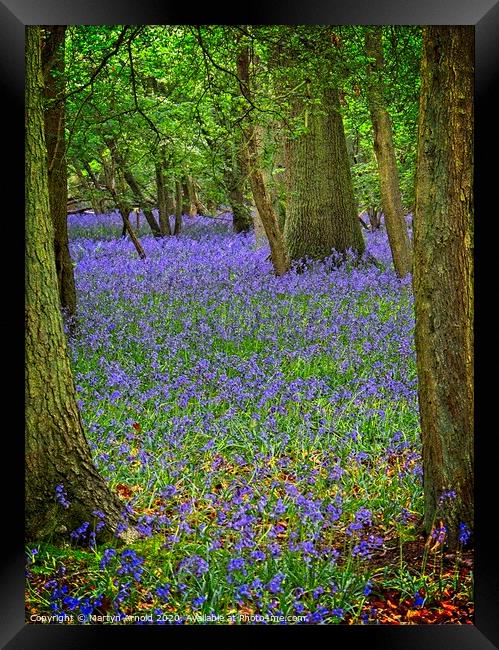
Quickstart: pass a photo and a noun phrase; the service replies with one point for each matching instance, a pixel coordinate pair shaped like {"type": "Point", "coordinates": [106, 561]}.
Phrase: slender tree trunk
{"type": "Point", "coordinates": [191, 193]}
{"type": "Point", "coordinates": [272, 149]}
{"type": "Point", "coordinates": [443, 273]}
{"type": "Point", "coordinates": [117, 192]}
{"type": "Point", "coordinates": [135, 187]}
{"type": "Point", "coordinates": [57, 452]}
{"type": "Point", "coordinates": [100, 205]}
{"type": "Point", "coordinates": [321, 210]}
{"type": "Point", "coordinates": [124, 211]}
{"type": "Point", "coordinates": [186, 203]}
{"type": "Point", "coordinates": [170, 202]}
{"type": "Point", "coordinates": [96, 202]}
{"type": "Point", "coordinates": [279, 257]}
{"type": "Point", "coordinates": [384, 149]}
{"type": "Point", "coordinates": [201, 209]}
{"type": "Point", "coordinates": [164, 215]}
{"type": "Point", "coordinates": [127, 228]}
{"type": "Point", "coordinates": [279, 175]}
{"type": "Point", "coordinates": [260, 235]}
{"type": "Point", "coordinates": [178, 208]}
{"type": "Point", "coordinates": [139, 197]}
{"type": "Point", "coordinates": [55, 117]}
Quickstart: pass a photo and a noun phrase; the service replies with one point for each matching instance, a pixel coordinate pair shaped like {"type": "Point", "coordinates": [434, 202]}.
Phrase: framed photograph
{"type": "Point", "coordinates": [255, 507]}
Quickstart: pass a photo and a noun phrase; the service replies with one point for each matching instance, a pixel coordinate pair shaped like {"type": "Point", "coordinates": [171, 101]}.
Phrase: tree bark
{"type": "Point", "coordinates": [443, 273]}
{"type": "Point", "coordinates": [164, 215]}
{"type": "Point", "coordinates": [201, 209]}
{"type": "Point", "coordinates": [116, 189]}
{"type": "Point", "coordinates": [384, 149]}
{"type": "Point", "coordinates": [96, 201]}
{"type": "Point", "coordinates": [139, 197]}
{"type": "Point", "coordinates": [234, 177]}
{"type": "Point", "coordinates": [191, 193]}
{"type": "Point", "coordinates": [279, 256]}
{"type": "Point", "coordinates": [279, 175]}
{"type": "Point", "coordinates": [57, 452]}
{"type": "Point", "coordinates": [55, 118]}
{"type": "Point", "coordinates": [124, 211]}
{"type": "Point", "coordinates": [178, 208]}
{"type": "Point", "coordinates": [321, 208]}
{"type": "Point", "coordinates": [186, 200]}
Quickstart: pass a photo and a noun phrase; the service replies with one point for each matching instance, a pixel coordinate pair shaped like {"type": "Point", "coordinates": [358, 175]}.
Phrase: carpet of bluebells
{"type": "Point", "coordinates": [263, 430]}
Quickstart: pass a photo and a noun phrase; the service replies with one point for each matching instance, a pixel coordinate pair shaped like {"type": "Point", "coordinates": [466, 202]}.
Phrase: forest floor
{"type": "Point", "coordinates": [265, 431]}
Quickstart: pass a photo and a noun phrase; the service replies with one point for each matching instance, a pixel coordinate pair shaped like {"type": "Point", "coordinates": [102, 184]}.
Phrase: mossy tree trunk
{"type": "Point", "coordinates": [384, 150]}
{"type": "Point", "coordinates": [57, 452]}
{"type": "Point", "coordinates": [55, 119]}
{"type": "Point", "coordinates": [279, 257]}
{"type": "Point", "coordinates": [443, 273]}
{"type": "Point", "coordinates": [321, 209]}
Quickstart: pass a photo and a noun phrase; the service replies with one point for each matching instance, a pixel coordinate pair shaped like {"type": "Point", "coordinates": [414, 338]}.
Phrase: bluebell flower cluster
{"type": "Point", "coordinates": [61, 496]}
{"type": "Point", "coordinates": [271, 411]}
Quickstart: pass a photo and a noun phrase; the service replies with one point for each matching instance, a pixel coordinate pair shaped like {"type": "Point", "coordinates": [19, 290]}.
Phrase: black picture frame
{"type": "Point", "coordinates": [14, 16]}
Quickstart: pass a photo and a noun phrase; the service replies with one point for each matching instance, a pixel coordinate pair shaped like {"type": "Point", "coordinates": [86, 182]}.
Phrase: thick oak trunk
{"type": "Point", "coordinates": [384, 150]}
{"type": "Point", "coordinates": [443, 273]}
{"type": "Point", "coordinates": [55, 118]}
{"type": "Point", "coordinates": [234, 177]}
{"type": "Point", "coordinates": [321, 209]}
{"type": "Point", "coordinates": [57, 453]}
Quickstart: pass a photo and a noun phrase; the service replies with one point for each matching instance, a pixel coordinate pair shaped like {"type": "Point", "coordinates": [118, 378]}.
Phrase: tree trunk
{"type": "Point", "coordinates": [240, 211]}
{"type": "Point", "coordinates": [260, 235]}
{"type": "Point", "coordinates": [191, 193]}
{"type": "Point", "coordinates": [57, 452]}
{"type": "Point", "coordinates": [186, 203]}
{"type": "Point", "coordinates": [170, 202]}
{"type": "Point", "coordinates": [234, 177]}
{"type": "Point", "coordinates": [139, 197]}
{"type": "Point", "coordinates": [279, 257]}
{"type": "Point", "coordinates": [116, 187]}
{"type": "Point", "coordinates": [124, 211]}
{"type": "Point", "coordinates": [55, 117]}
{"type": "Point", "coordinates": [200, 207]}
{"type": "Point", "coordinates": [96, 202]}
{"type": "Point", "coordinates": [321, 209]}
{"type": "Point", "coordinates": [135, 187]}
{"type": "Point", "coordinates": [279, 175]}
{"type": "Point", "coordinates": [178, 208]}
{"type": "Point", "coordinates": [384, 149]}
{"type": "Point", "coordinates": [443, 273]}
{"type": "Point", "coordinates": [164, 215]}
{"type": "Point", "coordinates": [127, 228]}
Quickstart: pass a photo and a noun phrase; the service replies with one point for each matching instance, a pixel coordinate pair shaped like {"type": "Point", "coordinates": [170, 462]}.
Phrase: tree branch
{"type": "Point", "coordinates": [112, 52]}
{"type": "Point", "coordinates": [159, 135]}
